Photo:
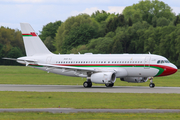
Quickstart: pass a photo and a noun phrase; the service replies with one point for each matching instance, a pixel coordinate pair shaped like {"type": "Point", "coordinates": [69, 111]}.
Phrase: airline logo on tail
{"type": "Point", "coordinates": [29, 35]}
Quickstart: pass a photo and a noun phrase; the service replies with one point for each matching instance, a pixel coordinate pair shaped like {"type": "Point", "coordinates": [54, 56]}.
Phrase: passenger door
{"type": "Point", "coordinates": [147, 62]}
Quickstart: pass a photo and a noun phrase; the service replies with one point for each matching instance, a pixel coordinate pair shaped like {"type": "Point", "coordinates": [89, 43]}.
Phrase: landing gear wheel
{"type": "Point", "coordinates": [87, 84]}
{"type": "Point", "coordinates": [109, 85]}
{"type": "Point", "coordinates": [151, 85]}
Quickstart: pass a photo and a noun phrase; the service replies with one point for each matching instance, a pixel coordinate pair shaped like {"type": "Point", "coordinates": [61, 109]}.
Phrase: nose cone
{"type": "Point", "coordinates": [168, 70]}
{"type": "Point", "coordinates": [174, 66]}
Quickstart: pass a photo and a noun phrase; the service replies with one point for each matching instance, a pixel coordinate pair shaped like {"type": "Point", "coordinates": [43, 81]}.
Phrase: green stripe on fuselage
{"type": "Point", "coordinates": [161, 70]}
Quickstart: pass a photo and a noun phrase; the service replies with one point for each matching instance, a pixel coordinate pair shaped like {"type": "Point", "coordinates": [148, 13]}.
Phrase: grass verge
{"type": "Point", "coordinates": [89, 100]}
{"type": "Point", "coordinates": [88, 116]}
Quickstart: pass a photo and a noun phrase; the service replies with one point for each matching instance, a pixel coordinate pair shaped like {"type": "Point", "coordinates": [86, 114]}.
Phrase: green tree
{"type": "Point", "coordinates": [50, 30]}
{"type": "Point", "coordinates": [15, 52]}
{"type": "Point", "coordinates": [10, 38]}
{"type": "Point", "coordinates": [117, 21]}
{"type": "Point", "coordinates": [100, 16]}
{"type": "Point", "coordinates": [76, 31]}
{"type": "Point", "coordinates": [80, 35]}
{"type": "Point", "coordinates": [162, 22]}
{"type": "Point", "coordinates": [147, 9]}
{"type": "Point", "coordinates": [177, 20]}
{"type": "Point", "coordinates": [49, 42]}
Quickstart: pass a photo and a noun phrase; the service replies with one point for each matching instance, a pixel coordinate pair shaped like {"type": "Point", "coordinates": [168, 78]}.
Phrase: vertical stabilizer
{"type": "Point", "coordinates": [33, 44]}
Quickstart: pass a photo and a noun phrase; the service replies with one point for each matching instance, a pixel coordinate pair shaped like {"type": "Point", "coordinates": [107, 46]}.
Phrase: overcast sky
{"type": "Point", "coordinates": [41, 12]}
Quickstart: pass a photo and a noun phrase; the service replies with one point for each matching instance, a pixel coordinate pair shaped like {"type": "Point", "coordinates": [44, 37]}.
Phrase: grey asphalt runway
{"type": "Point", "coordinates": [75, 88]}
{"type": "Point", "coordinates": [69, 110]}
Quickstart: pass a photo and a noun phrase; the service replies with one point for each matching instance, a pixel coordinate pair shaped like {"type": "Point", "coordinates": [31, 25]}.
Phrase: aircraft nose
{"type": "Point", "coordinates": [169, 70]}
{"type": "Point", "coordinates": [173, 66]}
{"type": "Point", "coordinates": [173, 69]}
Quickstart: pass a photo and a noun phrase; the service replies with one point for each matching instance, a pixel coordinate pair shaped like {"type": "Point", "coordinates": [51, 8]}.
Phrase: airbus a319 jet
{"type": "Point", "coordinates": [97, 68]}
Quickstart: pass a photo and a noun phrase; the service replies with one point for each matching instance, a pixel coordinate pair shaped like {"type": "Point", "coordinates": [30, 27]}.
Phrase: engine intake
{"type": "Point", "coordinates": [103, 77]}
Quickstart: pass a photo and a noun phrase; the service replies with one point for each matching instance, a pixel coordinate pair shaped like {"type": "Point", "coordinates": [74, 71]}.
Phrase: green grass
{"type": "Point", "coordinates": [27, 75]}
{"type": "Point", "coordinates": [88, 100]}
{"type": "Point", "coordinates": [88, 116]}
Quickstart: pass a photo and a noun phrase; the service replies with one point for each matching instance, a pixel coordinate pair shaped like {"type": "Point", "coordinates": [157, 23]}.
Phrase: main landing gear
{"type": "Point", "coordinates": [151, 85]}
{"type": "Point", "coordinates": [87, 84]}
{"type": "Point", "coordinates": [109, 85]}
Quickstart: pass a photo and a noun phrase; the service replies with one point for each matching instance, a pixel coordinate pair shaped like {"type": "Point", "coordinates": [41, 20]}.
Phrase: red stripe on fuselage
{"type": "Point", "coordinates": [167, 69]}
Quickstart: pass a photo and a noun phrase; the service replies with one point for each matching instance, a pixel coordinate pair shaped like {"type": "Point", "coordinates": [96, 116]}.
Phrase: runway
{"type": "Point", "coordinates": [70, 110]}
{"type": "Point", "coordinates": [100, 89]}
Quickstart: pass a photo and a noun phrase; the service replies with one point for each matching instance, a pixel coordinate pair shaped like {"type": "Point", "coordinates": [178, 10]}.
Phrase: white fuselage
{"type": "Point", "coordinates": [125, 65]}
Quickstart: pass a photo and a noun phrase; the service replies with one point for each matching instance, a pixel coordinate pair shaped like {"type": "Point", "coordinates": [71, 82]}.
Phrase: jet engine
{"type": "Point", "coordinates": [103, 77]}
{"type": "Point", "coordinates": [134, 79]}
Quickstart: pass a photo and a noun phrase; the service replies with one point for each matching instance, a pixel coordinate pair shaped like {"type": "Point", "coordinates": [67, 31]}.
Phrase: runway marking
{"type": "Point", "coordinates": [100, 89]}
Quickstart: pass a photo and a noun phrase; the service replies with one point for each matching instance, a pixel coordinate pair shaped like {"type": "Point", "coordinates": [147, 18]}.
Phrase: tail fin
{"type": "Point", "coordinates": [33, 44]}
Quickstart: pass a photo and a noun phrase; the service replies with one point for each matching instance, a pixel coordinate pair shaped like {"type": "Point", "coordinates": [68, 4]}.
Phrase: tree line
{"type": "Point", "coordinates": [148, 26]}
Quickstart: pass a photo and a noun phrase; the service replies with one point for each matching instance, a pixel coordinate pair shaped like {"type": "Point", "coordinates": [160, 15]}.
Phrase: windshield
{"type": "Point", "coordinates": [162, 61]}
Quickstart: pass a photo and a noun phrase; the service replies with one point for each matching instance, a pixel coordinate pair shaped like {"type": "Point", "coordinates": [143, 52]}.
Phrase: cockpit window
{"type": "Point", "coordinates": [162, 61]}
{"type": "Point", "coordinates": [166, 61]}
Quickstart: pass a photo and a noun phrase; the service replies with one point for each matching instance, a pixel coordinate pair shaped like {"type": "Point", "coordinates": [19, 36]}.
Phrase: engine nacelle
{"type": "Point", "coordinates": [134, 79]}
{"type": "Point", "coordinates": [103, 77]}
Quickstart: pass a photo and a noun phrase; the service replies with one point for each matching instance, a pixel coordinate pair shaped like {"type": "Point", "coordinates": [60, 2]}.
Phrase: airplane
{"type": "Point", "coordinates": [97, 68]}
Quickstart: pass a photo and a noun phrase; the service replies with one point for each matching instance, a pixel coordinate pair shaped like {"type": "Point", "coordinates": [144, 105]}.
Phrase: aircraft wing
{"type": "Point", "coordinates": [49, 66]}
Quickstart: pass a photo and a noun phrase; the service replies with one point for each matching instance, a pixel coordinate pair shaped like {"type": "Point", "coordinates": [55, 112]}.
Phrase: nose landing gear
{"type": "Point", "coordinates": [151, 85]}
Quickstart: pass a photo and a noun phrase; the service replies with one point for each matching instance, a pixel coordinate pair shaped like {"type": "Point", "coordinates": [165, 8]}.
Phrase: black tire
{"type": "Point", "coordinates": [90, 84]}
{"type": "Point", "coordinates": [151, 85]}
{"type": "Point", "coordinates": [87, 84]}
{"type": "Point", "coordinates": [109, 85]}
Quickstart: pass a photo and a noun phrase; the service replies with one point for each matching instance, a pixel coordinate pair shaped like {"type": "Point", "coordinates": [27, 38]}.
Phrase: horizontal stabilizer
{"type": "Point", "coordinates": [10, 59]}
